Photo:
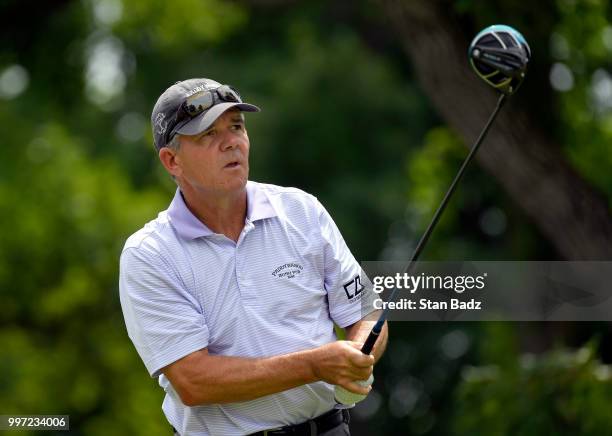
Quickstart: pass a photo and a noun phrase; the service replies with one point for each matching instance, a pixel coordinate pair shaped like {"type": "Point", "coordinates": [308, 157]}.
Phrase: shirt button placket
{"type": "Point", "coordinates": [241, 276]}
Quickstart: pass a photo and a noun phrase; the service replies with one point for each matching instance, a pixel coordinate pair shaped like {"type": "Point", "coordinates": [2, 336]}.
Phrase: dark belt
{"type": "Point", "coordinates": [312, 427]}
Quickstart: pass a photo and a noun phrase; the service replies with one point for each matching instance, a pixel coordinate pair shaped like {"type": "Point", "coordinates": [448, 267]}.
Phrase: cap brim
{"type": "Point", "coordinates": [207, 118]}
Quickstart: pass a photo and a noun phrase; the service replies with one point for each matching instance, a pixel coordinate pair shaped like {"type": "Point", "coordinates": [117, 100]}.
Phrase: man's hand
{"type": "Point", "coordinates": [342, 363]}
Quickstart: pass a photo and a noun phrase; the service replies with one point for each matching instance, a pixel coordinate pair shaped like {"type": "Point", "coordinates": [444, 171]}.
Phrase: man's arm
{"type": "Point", "coordinates": [200, 378]}
{"type": "Point", "coordinates": [359, 332]}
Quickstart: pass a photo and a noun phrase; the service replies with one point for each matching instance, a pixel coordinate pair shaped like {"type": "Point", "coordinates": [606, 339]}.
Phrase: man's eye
{"type": "Point", "coordinates": [209, 133]}
{"type": "Point", "coordinates": [238, 126]}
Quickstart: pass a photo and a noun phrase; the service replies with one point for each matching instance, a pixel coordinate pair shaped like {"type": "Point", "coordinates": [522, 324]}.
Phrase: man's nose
{"type": "Point", "coordinates": [229, 141]}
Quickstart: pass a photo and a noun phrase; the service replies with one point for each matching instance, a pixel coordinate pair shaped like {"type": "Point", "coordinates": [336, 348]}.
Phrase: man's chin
{"type": "Point", "coordinates": [235, 184]}
{"type": "Point", "coordinates": [223, 186]}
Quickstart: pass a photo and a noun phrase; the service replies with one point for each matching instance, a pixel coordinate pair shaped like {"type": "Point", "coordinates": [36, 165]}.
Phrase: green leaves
{"type": "Point", "coordinates": [179, 25]}
{"type": "Point", "coordinates": [560, 392]}
{"type": "Point", "coordinates": [65, 216]}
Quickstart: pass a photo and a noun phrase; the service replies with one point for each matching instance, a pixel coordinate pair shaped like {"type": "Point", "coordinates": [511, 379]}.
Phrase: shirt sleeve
{"type": "Point", "coordinates": [349, 291]}
{"type": "Point", "coordinates": [164, 321]}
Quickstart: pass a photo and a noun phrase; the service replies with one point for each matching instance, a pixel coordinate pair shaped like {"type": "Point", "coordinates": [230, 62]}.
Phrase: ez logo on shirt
{"type": "Point", "coordinates": [353, 288]}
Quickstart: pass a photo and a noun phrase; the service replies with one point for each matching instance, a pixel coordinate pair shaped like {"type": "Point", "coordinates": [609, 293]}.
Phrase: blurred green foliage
{"type": "Point", "coordinates": [562, 392]}
{"type": "Point", "coordinates": [343, 118]}
{"type": "Point", "coordinates": [64, 347]}
{"type": "Point", "coordinates": [581, 45]}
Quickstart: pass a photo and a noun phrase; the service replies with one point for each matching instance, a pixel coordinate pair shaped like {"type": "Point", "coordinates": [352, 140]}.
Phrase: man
{"type": "Point", "coordinates": [231, 294]}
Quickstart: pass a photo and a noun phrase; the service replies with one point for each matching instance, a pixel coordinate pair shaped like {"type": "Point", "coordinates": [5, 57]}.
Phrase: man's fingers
{"type": "Point", "coordinates": [361, 373]}
{"type": "Point", "coordinates": [343, 360]}
{"type": "Point", "coordinates": [362, 360]}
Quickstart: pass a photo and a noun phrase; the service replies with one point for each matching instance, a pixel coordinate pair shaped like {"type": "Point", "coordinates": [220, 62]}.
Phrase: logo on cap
{"type": "Point", "coordinates": [160, 123]}
{"type": "Point", "coordinates": [199, 88]}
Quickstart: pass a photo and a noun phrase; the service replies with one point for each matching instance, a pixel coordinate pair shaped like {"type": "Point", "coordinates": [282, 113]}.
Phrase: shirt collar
{"type": "Point", "coordinates": [184, 221]}
{"type": "Point", "coordinates": [189, 226]}
{"type": "Point", "coordinates": [258, 204]}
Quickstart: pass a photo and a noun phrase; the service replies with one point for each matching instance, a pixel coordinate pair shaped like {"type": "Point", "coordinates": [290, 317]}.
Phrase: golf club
{"type": "Point", "coordinates": [499, 55]}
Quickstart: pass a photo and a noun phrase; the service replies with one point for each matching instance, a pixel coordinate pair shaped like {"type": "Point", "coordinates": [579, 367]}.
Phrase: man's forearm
{"type": "Point", "coordinates": [359, 332]}
{"type": "Point", "coordinates": [200, 378]}
{"type": "Point", "coordinates": [206, 379]}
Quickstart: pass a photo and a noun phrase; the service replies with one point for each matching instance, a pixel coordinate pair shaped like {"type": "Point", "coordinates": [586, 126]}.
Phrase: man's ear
{"type": "Point", "coordinates": [170, 161]}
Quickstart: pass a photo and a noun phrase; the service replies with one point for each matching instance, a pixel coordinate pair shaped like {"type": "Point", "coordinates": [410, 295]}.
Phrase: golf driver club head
{"type": "Point", "coordinates": [499, 54]}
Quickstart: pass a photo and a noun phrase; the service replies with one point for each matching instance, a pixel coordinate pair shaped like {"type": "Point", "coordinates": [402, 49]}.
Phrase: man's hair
{"type": "Point", "coordinates": [174, 144]}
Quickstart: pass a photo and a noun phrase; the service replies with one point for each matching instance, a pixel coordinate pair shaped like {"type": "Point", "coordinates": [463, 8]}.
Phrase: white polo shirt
{"type": "Point", "coordinates": [279, 289]}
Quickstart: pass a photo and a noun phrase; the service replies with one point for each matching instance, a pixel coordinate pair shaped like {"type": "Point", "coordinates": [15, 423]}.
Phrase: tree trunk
{"type": "Point", "coordinates": [568, 211]}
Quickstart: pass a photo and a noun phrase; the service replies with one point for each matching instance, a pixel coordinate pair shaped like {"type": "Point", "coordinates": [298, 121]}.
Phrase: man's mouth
{"type": "Point", "coordinates": [232, 164]}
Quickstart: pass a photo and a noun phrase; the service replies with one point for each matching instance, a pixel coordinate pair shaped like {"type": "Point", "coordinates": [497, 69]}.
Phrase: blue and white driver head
{"type": "Point", "coordinates": [499, 54]}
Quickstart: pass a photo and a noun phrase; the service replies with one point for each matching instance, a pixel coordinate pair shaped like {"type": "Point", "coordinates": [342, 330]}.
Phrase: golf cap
{"type": "Point", "coordinates": [192, 106]}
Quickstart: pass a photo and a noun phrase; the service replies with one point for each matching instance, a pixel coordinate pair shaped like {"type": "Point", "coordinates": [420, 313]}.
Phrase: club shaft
{"type": "Point", "coordinates": [373, 336]}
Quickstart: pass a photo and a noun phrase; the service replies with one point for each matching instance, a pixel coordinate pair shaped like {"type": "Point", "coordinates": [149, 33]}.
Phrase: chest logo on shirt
{"type": "Point", "coordinates": [288, 270]}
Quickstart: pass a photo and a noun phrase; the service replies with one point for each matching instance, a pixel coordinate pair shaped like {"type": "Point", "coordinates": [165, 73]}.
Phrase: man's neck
{"type": "Point", "coordinates": [224, 214]}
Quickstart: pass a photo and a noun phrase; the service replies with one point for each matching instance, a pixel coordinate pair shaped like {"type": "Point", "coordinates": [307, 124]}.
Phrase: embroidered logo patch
{"type": "Point", "coordinates": [288, 270]}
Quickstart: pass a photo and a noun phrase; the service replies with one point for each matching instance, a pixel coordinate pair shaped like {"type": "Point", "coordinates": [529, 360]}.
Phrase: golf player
{"type": "Point", "coordinates": [231, 294]}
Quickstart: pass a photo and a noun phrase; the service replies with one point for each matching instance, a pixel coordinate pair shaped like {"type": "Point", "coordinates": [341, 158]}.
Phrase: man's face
{"type": "Point", "coordinates": [216, 160]}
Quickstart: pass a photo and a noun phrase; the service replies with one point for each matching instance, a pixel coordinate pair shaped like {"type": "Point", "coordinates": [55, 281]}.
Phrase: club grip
{"type": "Point", "coordinates": [369, 343]}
